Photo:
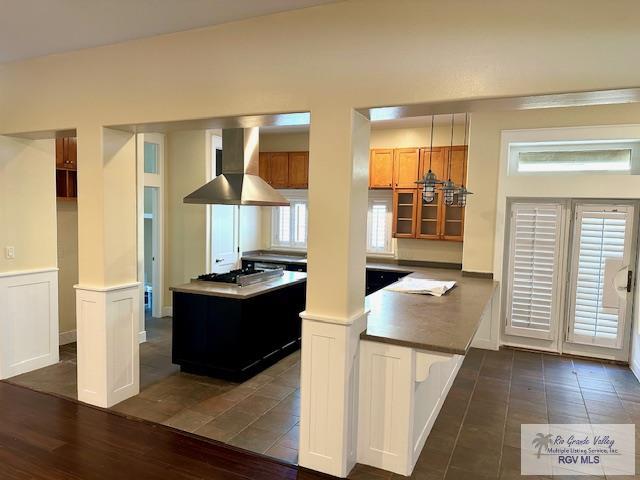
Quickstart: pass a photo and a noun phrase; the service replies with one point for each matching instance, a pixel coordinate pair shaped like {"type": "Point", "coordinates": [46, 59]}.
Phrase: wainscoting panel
{"type": "Point", "coordinates": [28, 321]}
{"type": "Point", "coordinates": [108, 344]}
{"type": "Point", "coordinates": [401, 393]}
{"type": "Point", "coordinates": [329, 389]}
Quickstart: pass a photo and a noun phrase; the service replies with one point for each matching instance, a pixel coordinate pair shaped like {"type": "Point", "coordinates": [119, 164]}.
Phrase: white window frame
{"type": "Point", "coordinates": [386, 198]}
{"type": "Point", "coordinates": [295, 197]}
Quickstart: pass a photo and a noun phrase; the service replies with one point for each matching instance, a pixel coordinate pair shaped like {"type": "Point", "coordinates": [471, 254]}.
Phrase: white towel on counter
{"type": "Point", "coordinates": [423, 286]}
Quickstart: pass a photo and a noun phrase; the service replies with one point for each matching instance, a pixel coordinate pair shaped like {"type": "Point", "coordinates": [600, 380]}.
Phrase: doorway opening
{"type": "Point", "coordinates": [151, 224]}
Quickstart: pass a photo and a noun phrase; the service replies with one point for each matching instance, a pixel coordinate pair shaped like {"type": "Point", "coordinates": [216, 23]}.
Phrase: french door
{"type": "Point", "coordinates": [570, 277]}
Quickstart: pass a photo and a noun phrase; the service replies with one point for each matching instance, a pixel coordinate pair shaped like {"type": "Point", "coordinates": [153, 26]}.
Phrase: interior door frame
{"type": "Point", "coordinates": [155, 181]}
{"type": "Point", "coordinates": [608, 353]}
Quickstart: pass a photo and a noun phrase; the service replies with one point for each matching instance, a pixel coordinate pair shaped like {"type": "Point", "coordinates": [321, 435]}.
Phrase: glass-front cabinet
{"type": "Point", "coordinates": [404, 212]}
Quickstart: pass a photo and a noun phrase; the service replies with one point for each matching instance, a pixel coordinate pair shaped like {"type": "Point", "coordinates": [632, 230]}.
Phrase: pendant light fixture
{"type": "Point", "coordinates": [463, 192]}
{"type": "Point", "coordinates": [430, 180]}
{"type": "Point", "coordinates": [449, 189]}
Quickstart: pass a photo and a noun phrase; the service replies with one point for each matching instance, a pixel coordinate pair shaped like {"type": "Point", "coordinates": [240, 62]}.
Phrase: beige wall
{"type": "Point", "coordinates": [185, 248]}
{"type": "Point", "coordinates": [374, 55]}
{"type": "Point", "coordinates": [27, 204]}
{"type": "Point", "coordinates": [67, 213]}
{"type": "Point", "coordinates": [484, 157]}
{"type": "Point", "coordinates": [284, 142]}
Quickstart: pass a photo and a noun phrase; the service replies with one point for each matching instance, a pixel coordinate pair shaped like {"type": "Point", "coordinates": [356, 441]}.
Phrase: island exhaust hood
{"type": "Point", "coordinates": [238, 182]}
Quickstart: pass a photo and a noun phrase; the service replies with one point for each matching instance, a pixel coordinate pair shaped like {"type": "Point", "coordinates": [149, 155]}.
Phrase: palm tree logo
{"type": "Point", "coordinates": [541, 441]}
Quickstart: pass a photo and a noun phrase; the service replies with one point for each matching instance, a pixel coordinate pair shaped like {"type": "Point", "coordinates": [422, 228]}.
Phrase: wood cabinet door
{"type": "Point", "coordinates": [298, 169]}
{"type": "Point", "coordinates": [279, 169]}
{"type": "Point", "coordinates": [263, 167]}
{"type": "Point", "coordinates": [381, 168]}
{"type": "Point", "coordinates": [452, 225]}
{"type": "Point", "coordinates": [60, 153]}
{"type": "Point", "coordinates": [404, 212]}
{"type": "Point", "coordinates": [405, 167]}
{"type": "Point", "coordinates": [72, 153]}
{"type": "Point", "coordinates": [435, 157]}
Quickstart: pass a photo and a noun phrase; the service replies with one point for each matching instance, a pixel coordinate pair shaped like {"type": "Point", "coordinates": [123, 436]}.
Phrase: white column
{"type": "Point", "coordinates": [108, 293]}
{"type": "Point", "coordinates": [335, 316]}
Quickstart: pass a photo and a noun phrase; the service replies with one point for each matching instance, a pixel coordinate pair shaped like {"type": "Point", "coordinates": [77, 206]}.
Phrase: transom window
{"type": "Point", "coordinates": [574, 157]}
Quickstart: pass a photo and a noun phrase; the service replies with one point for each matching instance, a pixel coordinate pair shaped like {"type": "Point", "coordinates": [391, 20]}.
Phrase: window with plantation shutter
{"type": "Point", "coordinates": [379, 223]}
{"type": "Point", "coordinates": [533, 269]}
{"type": "Point", "coordinates": [601, 256]}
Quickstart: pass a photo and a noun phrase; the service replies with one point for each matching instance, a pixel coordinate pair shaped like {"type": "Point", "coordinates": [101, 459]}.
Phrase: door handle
{"type": "Point", "coordinates": [218, 260]}
{"type": "Point", "coordinates": [629, 280]}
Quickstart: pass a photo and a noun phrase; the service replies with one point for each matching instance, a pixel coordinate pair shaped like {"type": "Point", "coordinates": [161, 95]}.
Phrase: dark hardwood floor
{"type": "Point", "coordinates": [47, 437]}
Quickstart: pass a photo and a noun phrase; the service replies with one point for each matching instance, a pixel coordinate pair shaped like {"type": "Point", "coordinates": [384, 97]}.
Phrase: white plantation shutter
{"type": "Point", "coordinates": [601, 237]}
{"type": "Point", "coordinates": [379, 224]}
{"type": "Point", "coordinates": [533, 269]}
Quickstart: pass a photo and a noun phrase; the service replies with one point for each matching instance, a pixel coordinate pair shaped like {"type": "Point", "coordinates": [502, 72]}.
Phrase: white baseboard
{"type": "Point", "coordinates": [142, 336]}
{"type": "Point", "coordinates": [68, 337]}
{"type": "Point", "coordinates": [167, 311]}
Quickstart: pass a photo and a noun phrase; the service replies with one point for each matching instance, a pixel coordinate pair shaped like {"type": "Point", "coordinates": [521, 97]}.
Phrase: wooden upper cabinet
{"type": "Point", "coordinates": [457, 168]}
{"type": "Point", "coordinates": [263, 167]}
{"type": "Point", "coordinates": [381, 168]}
{"type": "Point", "coordinates": [66, 153]}
{"type": "Point", "coordinates": [298, 169]}
{"type": "Point", "coordinates": [279, 169]}
{"type": "Point", "coordinates": [452, 218]}
{"type": "Point", "coordinates": [405, 167]}
{"type": "Point", "coordinates": [435, 157]}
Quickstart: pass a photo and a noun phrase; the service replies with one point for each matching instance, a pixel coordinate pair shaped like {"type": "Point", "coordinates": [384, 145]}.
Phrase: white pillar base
{"type": "Point", "coordinates": [28, 321]}
{"type": "Point", "coordinates": [401, 393]}
{"type": "Point", "coordinates": [108, 346]}
{"type": "Point", "coordinates": [329, 393]}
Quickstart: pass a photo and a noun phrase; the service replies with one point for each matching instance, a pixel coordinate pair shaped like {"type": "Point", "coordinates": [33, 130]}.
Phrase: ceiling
{"type": "Point", "coordinates": [32, 28]}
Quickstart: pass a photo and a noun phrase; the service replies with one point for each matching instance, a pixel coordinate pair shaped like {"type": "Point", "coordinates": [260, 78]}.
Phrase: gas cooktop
{"type": "Point", "coordinates": [229, 277]}
{"type": "Point", "coordinates": [242, 276]}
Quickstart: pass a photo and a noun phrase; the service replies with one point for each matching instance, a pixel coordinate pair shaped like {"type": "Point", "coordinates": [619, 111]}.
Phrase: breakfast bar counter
{"type": "Point", "coordinates": [441, 324]}
{"type": "Point", "coordinates": [410, 354]}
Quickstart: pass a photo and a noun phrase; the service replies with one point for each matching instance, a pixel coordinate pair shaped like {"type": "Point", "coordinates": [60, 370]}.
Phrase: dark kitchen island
{"type": "Point", "coordinates": [233, 332]}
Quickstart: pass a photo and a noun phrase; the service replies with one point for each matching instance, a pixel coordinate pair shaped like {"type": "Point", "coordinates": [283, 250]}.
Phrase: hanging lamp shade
{"type": "Point", "coordinates": [462, 196]}
{"type": "Point", "coordinates": [430, 180]}
{"type": "Point", "coordinates": [429, 184]}
{"type": "Point", "coordinates": [449, 190]}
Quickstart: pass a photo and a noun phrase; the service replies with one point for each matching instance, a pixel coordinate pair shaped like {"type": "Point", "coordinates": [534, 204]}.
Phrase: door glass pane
{"type": "Point", "coordinates": [600, 266]}
{"type": "Point", "coordinates": [150, 157]}
{"type": "Point", "coordinates": [533, 269]}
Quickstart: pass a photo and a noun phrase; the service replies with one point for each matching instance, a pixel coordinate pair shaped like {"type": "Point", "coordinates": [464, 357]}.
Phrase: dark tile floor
{"type": "Point", "coordinates": [476, 436]}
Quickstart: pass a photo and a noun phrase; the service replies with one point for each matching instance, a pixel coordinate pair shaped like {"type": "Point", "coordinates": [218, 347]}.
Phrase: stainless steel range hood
{"type": "Point", "coordinates": [238, 183]}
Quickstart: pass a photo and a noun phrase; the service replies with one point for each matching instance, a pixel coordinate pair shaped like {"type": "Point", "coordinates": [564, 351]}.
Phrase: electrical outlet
{"type": "Point", "coordinates": [10, 253]}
